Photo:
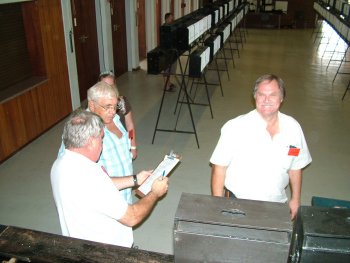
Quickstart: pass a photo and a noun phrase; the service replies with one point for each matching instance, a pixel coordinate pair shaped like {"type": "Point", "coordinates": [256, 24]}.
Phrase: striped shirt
{"type": "Point", "coordinates": [116, 157]}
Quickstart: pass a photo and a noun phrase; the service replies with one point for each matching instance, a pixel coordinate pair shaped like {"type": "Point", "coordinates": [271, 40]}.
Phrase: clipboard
{"type": "Point", "coordinates": [163, 169]}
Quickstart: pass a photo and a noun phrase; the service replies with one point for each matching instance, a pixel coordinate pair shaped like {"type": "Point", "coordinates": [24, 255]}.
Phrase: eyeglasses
{"type": "Point", "coordinates": [108, 107]}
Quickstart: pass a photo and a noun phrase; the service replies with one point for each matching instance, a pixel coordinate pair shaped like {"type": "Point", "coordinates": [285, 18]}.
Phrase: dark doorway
{"type": "Point", "coordinates": [119, 37]}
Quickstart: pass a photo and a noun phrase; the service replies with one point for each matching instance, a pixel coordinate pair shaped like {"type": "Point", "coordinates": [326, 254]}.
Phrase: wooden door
{"type": "Point", "coordinates": [141, 28]}
{"type": "Point", "coordinates": [120, 49]}
{"type": "Point", "coordinates": [86, 46]}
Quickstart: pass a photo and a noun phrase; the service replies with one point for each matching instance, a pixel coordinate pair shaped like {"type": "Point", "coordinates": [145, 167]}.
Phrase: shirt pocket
{"type": "Point", "coordinates": [286, 160]}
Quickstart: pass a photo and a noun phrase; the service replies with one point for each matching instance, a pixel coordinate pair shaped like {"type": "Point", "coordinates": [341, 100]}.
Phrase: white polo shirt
{"type": "Point", "coordinates": [257, 165]}
{"type": "Point", "coordinates": [88, 203]}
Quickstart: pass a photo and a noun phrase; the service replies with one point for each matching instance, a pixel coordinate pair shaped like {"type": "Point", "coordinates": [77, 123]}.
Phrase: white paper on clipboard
{"type": "Point", "coordinates": [166, 166]}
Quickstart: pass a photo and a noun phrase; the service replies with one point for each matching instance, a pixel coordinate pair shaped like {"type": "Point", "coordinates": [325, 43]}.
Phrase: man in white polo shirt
{"type": "Point", "coordinates": [260, 152]}
{"type": "Point", "coordinates": [88, 200]}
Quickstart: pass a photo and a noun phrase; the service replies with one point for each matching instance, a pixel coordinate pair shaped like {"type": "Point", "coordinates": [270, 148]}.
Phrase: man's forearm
{"type": "Point", "coordinates": [218, 174]}
{"type": "Point", "coordinates": [123, 182]}
{"type": "Point", "coordinates": [138, 211]}
{"type": "Point", "coordinates": [295, 180]}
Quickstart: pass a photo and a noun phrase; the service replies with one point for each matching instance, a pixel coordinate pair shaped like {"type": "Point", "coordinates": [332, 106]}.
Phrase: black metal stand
{"type": "Point", "coordinates": [343, 61]}
{"type": "Point", "coordinates": [219, 77]}
{"type": "Point", "coordinates": [187, 101]}
{"type": "Point", "coordinates": [193, 97]}
{"type": "Point", "coordinates": [222, 50]}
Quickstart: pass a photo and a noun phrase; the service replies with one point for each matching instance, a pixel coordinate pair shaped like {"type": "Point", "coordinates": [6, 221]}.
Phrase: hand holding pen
{"type": "Point", "coordinates": [160, 186]}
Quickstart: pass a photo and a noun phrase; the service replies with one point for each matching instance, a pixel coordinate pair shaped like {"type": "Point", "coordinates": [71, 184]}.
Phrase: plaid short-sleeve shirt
{"type": "Point", "coordinates": [116, 157]}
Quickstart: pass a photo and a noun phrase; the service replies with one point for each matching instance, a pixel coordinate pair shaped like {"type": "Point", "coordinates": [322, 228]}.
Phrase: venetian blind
{"type": "Point", "coordinates": [14, 57]}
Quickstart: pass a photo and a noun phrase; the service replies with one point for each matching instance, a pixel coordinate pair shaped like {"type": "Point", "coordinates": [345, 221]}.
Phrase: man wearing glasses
{"type": "Point", "coordinates": [115, 157]}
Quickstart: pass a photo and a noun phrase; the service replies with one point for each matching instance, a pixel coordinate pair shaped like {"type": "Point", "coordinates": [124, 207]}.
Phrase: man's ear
{"type": "Point", "coordinates": [90, 143]}
{"type": "Point", "coordinates": [91, 105]}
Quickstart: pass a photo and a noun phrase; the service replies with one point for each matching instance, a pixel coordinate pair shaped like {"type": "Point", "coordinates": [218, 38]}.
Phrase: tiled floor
{"type": "Point", "coordinates": [25, 191]}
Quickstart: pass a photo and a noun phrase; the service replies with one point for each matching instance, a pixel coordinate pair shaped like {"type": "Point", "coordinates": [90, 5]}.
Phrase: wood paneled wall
{"type": "Point", "coordinates": [29, 114]}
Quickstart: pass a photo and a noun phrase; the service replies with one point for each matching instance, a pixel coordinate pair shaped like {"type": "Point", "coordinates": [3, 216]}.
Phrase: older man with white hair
{"type": "Point", "coordinates": [89, 202]}
{"type": "Point", "coordinates": [260, 152]}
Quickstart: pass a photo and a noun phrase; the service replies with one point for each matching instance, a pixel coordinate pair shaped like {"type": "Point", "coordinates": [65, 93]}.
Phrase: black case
{"type": "Point", "coordinates": [321, 235]}
{"type": "Point", "coordinates": [159, 60]}
{"type": "Point", "coordinates": [210, 42]}
{"type": "Point", "coordinates": [198, 57]}
{"type": "Point", "coordinates": [219, 229]}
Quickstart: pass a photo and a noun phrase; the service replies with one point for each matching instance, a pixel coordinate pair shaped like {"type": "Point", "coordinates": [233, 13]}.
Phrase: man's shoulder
{"type": "Point", "coordinates": [70, 157]}
{"type": "Point", "coordinates": [240, 119]}
{"type": "Point", "coordinates": [288, 120]}
{"type": "Point", "coordinates": [73, 165]}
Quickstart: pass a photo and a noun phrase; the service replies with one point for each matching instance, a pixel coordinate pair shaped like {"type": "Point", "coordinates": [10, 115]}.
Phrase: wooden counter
{"type": "Point", "coordinates": [34, 246]}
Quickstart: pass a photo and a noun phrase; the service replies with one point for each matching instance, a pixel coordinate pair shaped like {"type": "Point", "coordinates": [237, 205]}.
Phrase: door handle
{"type": "Point", "coordinates": [71, 41]}
{"type": "Point", "coordinates": [83, 38]}
{"type": "Point", "coordinates": [115, 27]}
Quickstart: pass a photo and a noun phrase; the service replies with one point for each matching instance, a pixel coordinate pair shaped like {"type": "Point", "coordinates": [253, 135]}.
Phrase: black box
{"type": "Point", "coordinates": [214, 43]}
{"type": "Point", "coordinates": [199, 59]}
{"type": "Point", "coordinates": [224, 32]}
{"type": "Point", "coordinates": [159, 60]}
{"type": "Point", "coordinates": [321, 234]}
{"type": "Point", "coordinates": [219, 229]}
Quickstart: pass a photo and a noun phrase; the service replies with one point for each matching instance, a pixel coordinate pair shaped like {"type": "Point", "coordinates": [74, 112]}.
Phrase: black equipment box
{"type": "Point", "coordinates": [219, 229]}
{"type": "Point", "coordinates": [224, 32]}
{"type": "Point", "coordinates": [159, 60]}
{"type": "Point", "coordinates": [321, 234]}
{"type": "Point", "coordinates": [199, 59]}
{"type": "Point", "coordinates": [184, 38]}
{"type": "Point", "coordinates": [214, 43]}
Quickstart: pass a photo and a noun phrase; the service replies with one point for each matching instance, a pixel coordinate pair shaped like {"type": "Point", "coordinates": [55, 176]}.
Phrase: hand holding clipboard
{"type": "Point", "coordinates": [163, 169]}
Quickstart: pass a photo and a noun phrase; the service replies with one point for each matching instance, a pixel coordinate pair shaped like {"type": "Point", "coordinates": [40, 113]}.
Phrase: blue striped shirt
{"type": "Point", "coordinates": [116, 157]}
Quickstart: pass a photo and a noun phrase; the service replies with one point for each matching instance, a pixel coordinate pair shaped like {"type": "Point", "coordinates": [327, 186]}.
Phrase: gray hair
{"type": "Point", "coordinates": [80, 127]}
{"type": "Point", "coordinates": [269, 78]}
{"type": "Point", "coordinates": [102, 90]}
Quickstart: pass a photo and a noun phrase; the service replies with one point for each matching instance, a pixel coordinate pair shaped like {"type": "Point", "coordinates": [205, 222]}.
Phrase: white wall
{"type": "Point", "coordinates": [165, 9]}
{"type": "Point", "coordinates": [187, 9]}
{"type": "Point", "coordinates": [151, 24]}
{"type": "Point", "coordinates": [70, 53]}
{"type": "Point", "coordinates": [131, 34]}
{"type": "Point", "coordinates": [104, 35]}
